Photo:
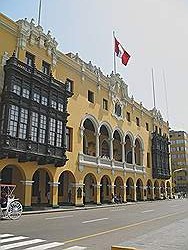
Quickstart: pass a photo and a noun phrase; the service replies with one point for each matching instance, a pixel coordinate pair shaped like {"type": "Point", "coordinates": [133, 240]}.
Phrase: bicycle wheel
{"type": "Point", "coordinates": [14, 210]}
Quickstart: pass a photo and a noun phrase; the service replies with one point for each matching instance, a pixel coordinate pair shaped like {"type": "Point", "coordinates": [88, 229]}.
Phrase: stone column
{"type": "Point", "coordinates": [54, 194]}
{"type": "Point", "coordinates": [134, 192]}
{"type": "Point", "coordinates": [111, 148]}
{"type": "Point", "coordinates": [97, 145]}
{"type": "Point", "coordinates": [27, 194]}
{"type": "Point", "coordinates": [152, 193]}
{"type": "Point", "coordinates": [133, 156]}
{"type": "Point", "coordinates": [81, 137]}
{"type": "Point", "coordinates": [112, 192]}
{"type": "Point", "coordinates": [125, 193]}
{"type": "Point", "coordinates": [123, 152]}
{"type": "Point", "coordinates": [79, 195]}
{"type": "Point", "coordinates": [98, 186]}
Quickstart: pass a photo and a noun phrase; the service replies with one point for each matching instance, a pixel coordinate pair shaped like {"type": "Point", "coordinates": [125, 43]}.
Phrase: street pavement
{"type": "Point", "coordinates": [172, 236]}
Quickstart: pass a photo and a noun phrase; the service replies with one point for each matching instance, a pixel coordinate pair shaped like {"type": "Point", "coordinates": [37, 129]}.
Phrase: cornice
{"type": "Point", "coordinates": [9, 28]}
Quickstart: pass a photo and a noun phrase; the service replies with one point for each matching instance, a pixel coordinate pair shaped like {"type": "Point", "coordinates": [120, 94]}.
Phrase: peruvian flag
{"type": "Point", "coordinates": [120, 52]}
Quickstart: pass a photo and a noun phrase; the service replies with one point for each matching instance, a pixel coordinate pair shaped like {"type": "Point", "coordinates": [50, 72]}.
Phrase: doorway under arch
{"type": "Point", "coordinates": [105, 190]}
{"type": "Point", "coordinates": [119, 189]}
{"type": "Point", "coordinates": [90, 189]}
{"type": "Point", "coordinates": [12, 174]}
{"type": "Point", "coordinates": [41, 186]}
{"type": "Point", "coordinates": [130, 189]}
{"type": "Point", "coordinates": [66, 188]}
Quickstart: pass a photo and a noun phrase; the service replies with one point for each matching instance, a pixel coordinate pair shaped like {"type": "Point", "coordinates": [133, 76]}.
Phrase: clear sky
{"type": "Point", "coordinates": [154, 32]}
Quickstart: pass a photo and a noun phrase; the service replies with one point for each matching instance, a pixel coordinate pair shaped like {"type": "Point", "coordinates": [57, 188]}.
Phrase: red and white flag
{"type": "Point", "coordinates": [120, 52]}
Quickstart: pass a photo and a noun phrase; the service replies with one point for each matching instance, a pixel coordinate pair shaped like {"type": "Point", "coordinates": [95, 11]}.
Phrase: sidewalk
{"type": "Point", "coordinates": [40, 210]}
{"type": "Point", "coordinates": [173, 237]}
{"type": "Point", "coordinates": [48, 209]}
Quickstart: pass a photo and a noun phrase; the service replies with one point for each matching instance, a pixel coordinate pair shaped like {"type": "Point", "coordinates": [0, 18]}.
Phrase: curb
{"type": "Point", "coordinates": [73, 209]}
{"type": "Point", "coordinates": [121, 248]}
{"type": "Point", "coordinates": [63, 209]}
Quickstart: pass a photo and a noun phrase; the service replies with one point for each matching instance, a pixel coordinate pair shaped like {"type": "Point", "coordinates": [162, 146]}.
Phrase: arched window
{"type": "Point", "coordinates": [105, 149]}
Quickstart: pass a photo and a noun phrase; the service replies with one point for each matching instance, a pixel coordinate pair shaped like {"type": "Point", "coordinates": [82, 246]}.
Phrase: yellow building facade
{"type": "Point", "coordinates": [109, 136]}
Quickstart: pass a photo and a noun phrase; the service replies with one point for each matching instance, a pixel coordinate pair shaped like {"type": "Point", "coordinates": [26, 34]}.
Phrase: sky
{"type": "Point", "coordinates": [153, 32]}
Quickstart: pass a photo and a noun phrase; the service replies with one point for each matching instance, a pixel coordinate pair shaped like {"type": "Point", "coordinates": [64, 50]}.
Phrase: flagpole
{"type": "Point", "coordinates": [114, 54]}
{"type": "Point", "coordinates": [153, 84]}
{"type": "Point", "coordinates": [39, 11]}
{"type": "Point", "coordinates": [166, 97]}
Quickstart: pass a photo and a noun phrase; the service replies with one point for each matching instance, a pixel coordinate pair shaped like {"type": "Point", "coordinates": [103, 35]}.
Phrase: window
{"type": "Point", "coordinates": [147, 126]}
{"type": "Point", "coordinates": [128, 117]}
{"type": "Point", "coordinates": [36, 96]}
{"type": "Point", "coordinates": [23, 123]}
{"type": "Point", "coordinates": [118, 109]}
{"type": "Point", "coordinates": [59, 133]}
{"type": "Point", "coordinates": [34, 126]}
{"type": "Point", "coordinates": [42, 129]}
{"type": "Point", "coordinates": [45, 68]}
{"type": "Point", "coordinates": [53, 104]}
{"type": "Point", "coordinates": [105, 104]}
{"type": "Point", "coordinates": [25, 92]}
{"type": "Point", "coordinates": [69, 85]}
{"type": "Point", "coordinates": [137, 121]}
{"type": "Point", "coordinates": [44, 100]}
{"type": "Point", "coordinates": [60, 107]}
{"type": "Point", "coordinates": [90, 96]}
{"type": "Point", "coordinates": [16, 89]}
{"type": "Point", "coordinates": [29, 59]}
{"type": "Point", "coordinates": [13, 120]}
{"type": "Point", "coordinates": [69, 133]}
{"type": "Point", "coordinates": [52, 131]}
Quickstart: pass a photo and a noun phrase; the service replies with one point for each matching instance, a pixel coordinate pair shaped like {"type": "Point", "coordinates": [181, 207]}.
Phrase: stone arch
{"type": "Point", "coordinates": [89, 137]}
{"type": "Point", "coordinates": [117, 146]}
{"type": "Point", "coordinates": [104, 141]}
{"type": "Point", "coordinates": [66, 188]}
{"type": "Point", "coordinates": [14, 174]}
{"type": "Point", "coordinates": [90, 188]}
{"type": "Point", "coordinates": [139, 190]}
{"type": "Point", "coordinates": [119, 188]}
{"type": "Point", "coordinates": [108, 127]}
{"type": "Point", "coordinates": [106, 189]}
{"type": "Point", "coordinates": [130, 189]}
{"type": "Point", "coordinates": [91, 118]}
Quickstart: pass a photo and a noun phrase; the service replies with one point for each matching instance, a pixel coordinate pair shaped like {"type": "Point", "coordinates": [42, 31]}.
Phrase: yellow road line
{"type": "Point", "coordinates": [120, 228]}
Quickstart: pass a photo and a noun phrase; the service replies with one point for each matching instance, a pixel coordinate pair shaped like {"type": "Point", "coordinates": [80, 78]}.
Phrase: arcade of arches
{"type": "Point", "coordinates": [34, 184]}
{"type": "Point", "coordinates": [104, 142]}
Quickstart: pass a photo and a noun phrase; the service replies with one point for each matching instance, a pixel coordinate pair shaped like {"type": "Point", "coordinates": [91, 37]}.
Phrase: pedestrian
{"type": "Point", "coordinates": [48, 197]}
{"type": "Point", "coordinates": [69, 196]}
{"type": "Point", "coordinates": [116, 200]}
{"type": "Point", "coordinates": [39, 197]}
